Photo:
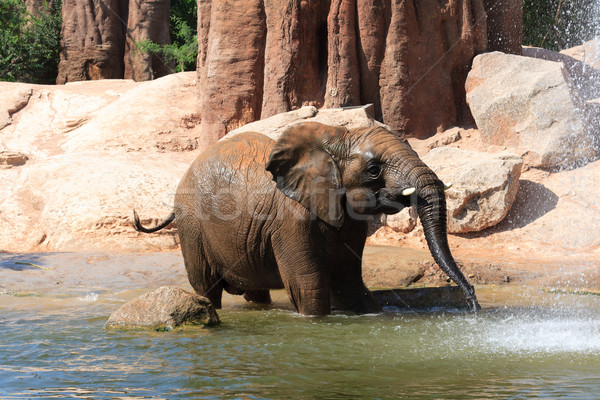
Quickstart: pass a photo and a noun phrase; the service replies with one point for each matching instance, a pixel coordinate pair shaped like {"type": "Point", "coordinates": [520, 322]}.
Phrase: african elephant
{"type": "Point", "coordinates": [255, 214]}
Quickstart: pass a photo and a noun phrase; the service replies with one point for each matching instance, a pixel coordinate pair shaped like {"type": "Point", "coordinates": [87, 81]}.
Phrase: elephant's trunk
{"type": "Point", "coordinates": [431, 207]}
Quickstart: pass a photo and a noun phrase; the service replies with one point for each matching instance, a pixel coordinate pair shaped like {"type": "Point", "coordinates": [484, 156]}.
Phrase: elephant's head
{"type": "Point", "coordinates": [339, 174]}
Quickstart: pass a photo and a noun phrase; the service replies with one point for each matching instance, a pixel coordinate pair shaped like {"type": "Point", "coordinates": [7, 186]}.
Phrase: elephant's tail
{"type": "Point", "coordinates": [138, 226]}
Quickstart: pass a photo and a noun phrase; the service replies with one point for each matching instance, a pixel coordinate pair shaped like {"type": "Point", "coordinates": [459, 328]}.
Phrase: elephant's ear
{"type": "Point", "coordinates": [304, 169]}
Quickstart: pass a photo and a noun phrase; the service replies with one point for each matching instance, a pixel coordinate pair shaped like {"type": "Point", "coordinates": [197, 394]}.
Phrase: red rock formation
{"type": "Point", "coordinates": [147, 19]}
{"type": "Point", "coordinates": [410, 59]}
{"type": "Point", "coordinates": [231, 64]}
{"type": "Point", "coordinates": [92, 40]}
{"type": "Point", "coordinates": [99, 39]}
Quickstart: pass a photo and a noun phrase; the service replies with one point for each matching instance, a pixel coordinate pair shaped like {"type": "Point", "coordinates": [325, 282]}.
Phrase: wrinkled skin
{"type": "Point", "coordinates": [255, 214]}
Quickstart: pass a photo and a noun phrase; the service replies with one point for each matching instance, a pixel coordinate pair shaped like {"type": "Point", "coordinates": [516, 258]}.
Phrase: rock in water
{"type": "Point", "coordinates": [165, 308]}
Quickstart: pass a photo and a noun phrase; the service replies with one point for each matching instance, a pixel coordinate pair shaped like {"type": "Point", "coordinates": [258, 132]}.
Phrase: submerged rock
{"type": "Point", "coordinates": [165, 308]}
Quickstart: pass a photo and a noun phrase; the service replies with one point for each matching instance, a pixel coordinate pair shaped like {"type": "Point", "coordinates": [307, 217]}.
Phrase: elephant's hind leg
{"type": "Point", "coordinates": [202, 278]}
{"type": "Point", "coordinates": [258, 296]}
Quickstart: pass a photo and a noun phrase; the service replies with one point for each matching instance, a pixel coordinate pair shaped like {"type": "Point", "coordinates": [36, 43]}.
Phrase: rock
{"type": "Point", "coordinates": [92, 40]}
{"type": "Point", "coordinates": [165, 308]}
{"type": "Point", "coordinates": [350, 117]}
{"type": "Point", "coordinates": [231, 62]}
{"type": "Point", "coordinates": [281, 55]}
{"type": "Point", "coordinates": [9, 159]}
{"type": "Point", "coordinates": [147, 20]}
{"type": "Point", "coordinates": [98, 39]}
{"type": "Point", "coordinates": [13, 98]}
{"type": "Point", "coordinates": [588, 52]}
{"type": "Point", "coordinates": [582, 80]}
{"type": "Point", "coordinates": [531, 107]}
{"type": "Point", "coordinates": [404, 221]}
{"type": "Point", "coordinates": [445, 138]}
{"type": "Point", "coordinates": [96, 150]}
{"type": "Point", "coordinates": [484, 186]}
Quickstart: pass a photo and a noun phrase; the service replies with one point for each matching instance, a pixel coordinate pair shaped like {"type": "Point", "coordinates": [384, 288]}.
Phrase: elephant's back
{"type": "Point", "coordinates": [229, 195]}
{"type": "Point", "coordinates": [237, 161]}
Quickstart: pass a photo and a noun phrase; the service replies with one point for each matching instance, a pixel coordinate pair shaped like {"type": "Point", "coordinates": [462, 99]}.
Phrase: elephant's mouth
{"type": "Point", "coordinates": [392, 201]}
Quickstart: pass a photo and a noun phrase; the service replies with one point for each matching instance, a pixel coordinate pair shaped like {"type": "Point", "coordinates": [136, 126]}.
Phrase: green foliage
{"type": "Point", "coordinates": [29, 44]}
{"type": "Point", "coordinates": [560, 24]}
{"type": "Point", "coordinates": [184, 47]}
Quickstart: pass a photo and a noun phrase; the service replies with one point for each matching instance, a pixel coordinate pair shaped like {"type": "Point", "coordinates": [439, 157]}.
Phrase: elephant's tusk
{"type": "Point", "coordinates": [408, 191]}
{"type": "Point", "coordinates": [447, 186]}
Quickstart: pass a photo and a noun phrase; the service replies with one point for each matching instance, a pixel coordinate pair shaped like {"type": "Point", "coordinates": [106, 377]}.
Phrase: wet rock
{"type": "Point", "coordinates": [164, 308]}
{"type": "Point", "coordinates": [484, 186]}
{"type": "Point", "coordinates": [582, 80]}
{"type": "Point", "coordinates": [532, 107]}
{"type": "Point", "coordinates": [588, 52]}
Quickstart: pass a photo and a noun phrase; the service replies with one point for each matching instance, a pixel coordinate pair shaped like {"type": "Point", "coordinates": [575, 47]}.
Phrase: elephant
{"type": "Point", "coordinates": [255, 214]}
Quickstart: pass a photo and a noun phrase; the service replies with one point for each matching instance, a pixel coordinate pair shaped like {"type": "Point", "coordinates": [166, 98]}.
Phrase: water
{"type": "Point", "coordinates": [525, 344]}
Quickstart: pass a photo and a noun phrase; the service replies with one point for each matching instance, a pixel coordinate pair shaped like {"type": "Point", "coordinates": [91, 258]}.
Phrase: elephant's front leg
{"type": "Point", "coordinates": [348, 291]}
{"type": "Point", "coordinates": [305, 275]}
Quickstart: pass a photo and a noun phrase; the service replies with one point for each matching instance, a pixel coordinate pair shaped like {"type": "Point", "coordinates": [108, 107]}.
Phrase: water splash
{"type": "Point", "coordinates": [89, 297]}
{"type": "Point", "coordinates": [531, 333]}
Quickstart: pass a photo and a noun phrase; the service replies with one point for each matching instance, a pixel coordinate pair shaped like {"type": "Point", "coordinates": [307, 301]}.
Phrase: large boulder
{"type": "Point", "coordinates": [484, 186]}
{"type": "Point", "coordinates": [77, 158]}
{"type": "Point", "coordinates": [273, 127]}
{"type": "Point", "coordinates": [165, 308]}
{"type": "Point", "coordinates": [409, 59]}
{"type": "Point", "coordinates": [532, 107]}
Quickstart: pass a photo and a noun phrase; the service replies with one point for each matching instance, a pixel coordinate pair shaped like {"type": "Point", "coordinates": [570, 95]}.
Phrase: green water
{"type": "Point", "coordinates": [526, 344]}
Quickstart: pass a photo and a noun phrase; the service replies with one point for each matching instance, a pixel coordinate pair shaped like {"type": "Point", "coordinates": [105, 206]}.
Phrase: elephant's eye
{"type": "Point", "coordinates": [374, 170]}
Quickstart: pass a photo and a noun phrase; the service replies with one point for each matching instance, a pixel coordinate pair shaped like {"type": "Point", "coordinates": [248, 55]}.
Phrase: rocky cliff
{"type": "Point", "coordinates": [409, 59]}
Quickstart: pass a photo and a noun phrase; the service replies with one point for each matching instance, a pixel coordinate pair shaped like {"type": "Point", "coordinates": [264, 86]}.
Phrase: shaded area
{"type": "Point", "coordinates": [533, 201]}
{"type": "Point", "coordinates": [21, 262]}
{"type": "Point", "coordinates": [427, 298]}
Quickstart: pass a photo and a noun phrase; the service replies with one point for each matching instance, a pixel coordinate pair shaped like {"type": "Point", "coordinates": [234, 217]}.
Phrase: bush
{"type": "Point", "coordinates": [184, 47]}
{"type": "Point", "coordinates": [560, 24]}
{"type": "Point", "coordinates": [29, 44]}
